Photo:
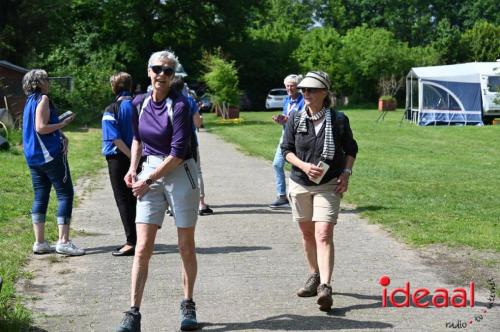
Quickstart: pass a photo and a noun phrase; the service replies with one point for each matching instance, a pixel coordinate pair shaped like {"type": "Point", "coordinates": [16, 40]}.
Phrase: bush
{"type": "Point", "coordinates": [221, 78]}
{"type": "Point", "coordinates": [482, 42]}
{"type": "Point", "coordinates": [91, 90]}
{"type": "Point", "coordinates": [320, 50]}
{"type": "Point", "coordinates": [387, 98]}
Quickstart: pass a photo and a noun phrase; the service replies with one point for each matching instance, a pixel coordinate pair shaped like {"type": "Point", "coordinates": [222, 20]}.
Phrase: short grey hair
{"type": "Point", "coordinates": [293, 78]}
{"type": "Point", "coordinates": [33, 79]}
{"type": "Point", "coordinates": [164, 55]}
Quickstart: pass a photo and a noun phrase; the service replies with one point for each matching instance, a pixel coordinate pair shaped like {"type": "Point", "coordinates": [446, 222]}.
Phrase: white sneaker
{"type": "Point", "coordinates": [42, 248]}
{"type": "Point", "coordinates": [69, 249]}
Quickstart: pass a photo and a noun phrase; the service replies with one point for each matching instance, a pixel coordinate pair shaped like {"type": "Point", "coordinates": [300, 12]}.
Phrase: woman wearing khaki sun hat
{"type": "Point", "coordinates": [319, 144]}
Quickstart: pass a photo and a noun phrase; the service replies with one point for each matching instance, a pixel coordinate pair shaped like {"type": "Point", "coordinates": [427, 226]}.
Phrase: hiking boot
{"type": "Point", "coordinates": [130, 323]}
{"type": "Point", "coordinates": [42, 248]}
{"type": "Point", "coordinates": [188, 316]}
{"type": "Point", "coordinates": [325, 300]}
{"type": "Point", "coordinates": [69, 249]}
{"type": "Point", "coordinates": [280, 202]}
{"type": "Point", "coordinates": [310, 287]}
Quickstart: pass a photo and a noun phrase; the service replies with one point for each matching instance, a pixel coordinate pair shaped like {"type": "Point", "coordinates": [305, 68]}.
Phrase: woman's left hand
{"type": "Point", "coordinates": [139, 188]}
{"type": "Point", "coordinates": [342, 183]}
{"type": "Point", "coordinates": [65, 143]}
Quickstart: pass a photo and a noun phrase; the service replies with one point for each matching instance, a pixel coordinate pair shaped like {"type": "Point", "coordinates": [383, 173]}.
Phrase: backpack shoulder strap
{"type": "Point", "coordinates": [295, 119]}
{"type": "Point", "coordinates": [338, 123]}
{"type": "Point", "coordinates": [113, 108]}
{"type": "Point", "coordinates": [170, 111]}
{"type": "Point", "coordinates": [144, 103]}
{"type": "Point", "coordinates": [116, 108]}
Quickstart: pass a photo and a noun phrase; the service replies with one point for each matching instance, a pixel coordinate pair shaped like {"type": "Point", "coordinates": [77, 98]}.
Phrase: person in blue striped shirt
{"type": "Point", "coordinates": [45, 149]}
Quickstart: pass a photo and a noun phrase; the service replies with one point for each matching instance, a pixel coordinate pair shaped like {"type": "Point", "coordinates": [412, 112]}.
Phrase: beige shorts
{"type": "Point", "coordinates": [314, 203]}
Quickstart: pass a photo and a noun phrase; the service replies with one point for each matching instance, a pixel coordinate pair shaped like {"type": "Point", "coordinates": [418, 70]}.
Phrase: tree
{"type": "Point", "coordinates": [482, 42]}
{"type": "Point", "coordinates": [472, 11]}
{"type": "Point", "coordinates": [447, 42]}
{"type": "Point", "coordinates": [221, 78]}
{"type": "Point", "coordinates": [264, 59]}
{"type": "Point", "coordinates": [291, 13]}
{"type": "Point", "coordinates": [31, 28]}
{"type": "Point", "coordinates": [191, 27]}
{"type": "Point", "coordinates": [409, 21]}
{"type": "Point", "coordinates": [320, 49]}
{"type": "Point", "coordinates": [369, 54]}
{"type": "Point", "coordinates": [332, 14]}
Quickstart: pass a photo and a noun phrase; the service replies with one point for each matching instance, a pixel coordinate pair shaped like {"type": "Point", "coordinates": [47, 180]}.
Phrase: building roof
{"type": "Point", "coordinates": [12, 66]}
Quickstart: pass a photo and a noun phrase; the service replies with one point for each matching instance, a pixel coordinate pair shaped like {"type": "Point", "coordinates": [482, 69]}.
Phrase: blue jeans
{"type": "Point", "coordinates": [279, 170]}
{"type": "Point", "coordinates": [54, 173]}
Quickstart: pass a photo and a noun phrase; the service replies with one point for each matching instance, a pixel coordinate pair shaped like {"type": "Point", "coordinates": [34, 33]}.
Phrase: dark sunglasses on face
{"type": "Point", "coordinates": [158, 69]}
{"type": "Point", "coordinates": [310, 90]}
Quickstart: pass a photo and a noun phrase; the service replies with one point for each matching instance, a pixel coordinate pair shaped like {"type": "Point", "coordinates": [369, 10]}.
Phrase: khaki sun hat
{"type": "Point", "coordinates": [315, 79]}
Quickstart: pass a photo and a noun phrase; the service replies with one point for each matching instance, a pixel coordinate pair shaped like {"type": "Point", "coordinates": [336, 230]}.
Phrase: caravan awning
{"type": "Point", "coordinates": [463, 72]}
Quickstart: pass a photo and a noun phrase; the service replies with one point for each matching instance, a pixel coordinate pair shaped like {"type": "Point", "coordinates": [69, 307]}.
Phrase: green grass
{"type": "Point", "coordinates": [16, 235]}
{"type": "Point", "coordinates": [424, 184]}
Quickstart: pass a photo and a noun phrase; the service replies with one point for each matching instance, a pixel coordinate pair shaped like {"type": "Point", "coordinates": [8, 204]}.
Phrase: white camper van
{"type": "Point", "coordinates": [490, 93]}
{"type": "Point", "coordinates": [465, 93]}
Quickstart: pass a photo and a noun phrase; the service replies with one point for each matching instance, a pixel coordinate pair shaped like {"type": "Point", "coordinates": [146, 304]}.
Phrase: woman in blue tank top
{"type": "Point", "coordinates": [45, 149]}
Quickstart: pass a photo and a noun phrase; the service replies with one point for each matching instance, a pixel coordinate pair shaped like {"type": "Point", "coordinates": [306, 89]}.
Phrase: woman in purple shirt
{"type": "Point", "coordinates": [163, 135]}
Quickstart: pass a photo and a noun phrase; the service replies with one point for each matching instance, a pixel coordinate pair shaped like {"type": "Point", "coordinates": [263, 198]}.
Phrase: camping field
{"type": "Point", "coordinates": [426, 185]}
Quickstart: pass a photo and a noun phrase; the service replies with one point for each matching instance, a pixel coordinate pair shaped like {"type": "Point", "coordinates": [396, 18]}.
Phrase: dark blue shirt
{"type": "Point", "coordinates": [117, 126]}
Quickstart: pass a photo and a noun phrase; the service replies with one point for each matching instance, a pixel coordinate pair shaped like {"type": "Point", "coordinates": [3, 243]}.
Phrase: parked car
{"type": "Point", "coordinates": [275, 98]}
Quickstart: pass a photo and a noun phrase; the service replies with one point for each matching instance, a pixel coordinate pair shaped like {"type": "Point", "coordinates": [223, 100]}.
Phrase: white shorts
{"type": "Point", "coordinates": [177, 189]}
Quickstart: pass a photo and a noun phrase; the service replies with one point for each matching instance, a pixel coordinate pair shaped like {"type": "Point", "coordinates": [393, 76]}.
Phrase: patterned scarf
{"type": "Point", "coordinates": [329, 145]}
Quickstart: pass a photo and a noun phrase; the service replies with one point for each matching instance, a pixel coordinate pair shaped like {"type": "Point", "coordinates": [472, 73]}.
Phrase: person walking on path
{"type": "Point", "coordinates": [179, 85]}
{"type": "Point", "coordinates": [294, 102]}
{"type": "Point", "coordinates": [163, 134]}
{"type": "Point", "coordinates": [116, 142]}
{"type": "Point", "coordinates": [45, 149]}
{"type": "Point", "coordinates": [319, 144]}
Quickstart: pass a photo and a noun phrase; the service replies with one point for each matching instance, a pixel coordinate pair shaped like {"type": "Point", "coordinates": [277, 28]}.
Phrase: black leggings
{"type": "Point", "coordinates": [118, 166]}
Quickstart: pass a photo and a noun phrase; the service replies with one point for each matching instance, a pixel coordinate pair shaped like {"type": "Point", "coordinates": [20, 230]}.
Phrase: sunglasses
{"type": "Point", "coordinates": [310, 90]}
{"type": "Point", "coordinates": [157, 69]}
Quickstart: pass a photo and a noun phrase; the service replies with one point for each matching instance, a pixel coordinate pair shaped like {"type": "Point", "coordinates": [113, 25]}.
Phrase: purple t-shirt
{"type": "Point", "coordinates": [159, 135]}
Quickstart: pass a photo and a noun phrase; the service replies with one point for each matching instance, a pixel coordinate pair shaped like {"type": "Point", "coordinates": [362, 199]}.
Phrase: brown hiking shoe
{"type": "Point", "coordinates": [325, 299]}
{"type": "Point", "coordinates": [310, 287]}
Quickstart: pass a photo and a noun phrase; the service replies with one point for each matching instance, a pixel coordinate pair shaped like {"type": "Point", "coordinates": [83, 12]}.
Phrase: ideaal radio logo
{"type": "Point", "coordinates": [440, 298]}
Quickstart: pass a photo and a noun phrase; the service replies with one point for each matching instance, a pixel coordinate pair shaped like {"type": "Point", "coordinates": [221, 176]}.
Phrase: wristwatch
{"type": "Point", "coordinates": [149, 181]}
{"type": "Point", "coordinates": [347, 170]}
